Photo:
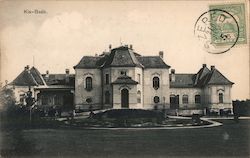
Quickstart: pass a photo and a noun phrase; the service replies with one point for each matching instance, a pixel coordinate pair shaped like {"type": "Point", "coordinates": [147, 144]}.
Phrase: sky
{"type": "Point", "coordinates": [69, 30]}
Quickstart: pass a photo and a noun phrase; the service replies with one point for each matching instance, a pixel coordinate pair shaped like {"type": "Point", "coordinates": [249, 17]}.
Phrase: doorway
{"type": "Point", "coordinates": [125, 98]}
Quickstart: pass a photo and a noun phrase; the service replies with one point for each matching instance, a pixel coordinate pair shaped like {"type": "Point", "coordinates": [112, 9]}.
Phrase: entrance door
{"type": "Point", "coordinates": [125, 98]}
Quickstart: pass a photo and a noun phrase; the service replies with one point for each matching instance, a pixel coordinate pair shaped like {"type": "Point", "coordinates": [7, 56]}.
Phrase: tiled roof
{"type": "Point", "coordinates": [121, 57]}
{"type": "Point", "coordinates": [59, 79]}
{"type": "Point", "coordinates": [28, 77]}
{"type": "Point", "coordinates": [90, 62]}
{"type": "Point", "coordinates": [183, 81]}
{"type": "Point", "coordinates": [37, 76]}
{"type": "Point", "coordinates": [152, 62]}
{"type": "Point", "coordinates": [202, 78]}
{"type": "Point", "coordinates": [124, 80]}
{"type": "Point", "coordinates": [201, 75]}
{"type": "Point", "coordinates": [218, 79]}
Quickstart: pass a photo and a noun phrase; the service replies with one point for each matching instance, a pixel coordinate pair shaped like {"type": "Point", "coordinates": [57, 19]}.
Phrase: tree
{"type": "Point", "coordinates": [7, 99]}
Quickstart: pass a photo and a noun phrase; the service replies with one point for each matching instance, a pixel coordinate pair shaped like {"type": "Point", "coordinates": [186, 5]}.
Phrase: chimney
{"type": "Point", "coordinates": [47, 75]}
{"type": "Point", "coordinates": [212, 67]}
{"type": "Point", "coordinates": [172, 76]}
{"type": "Point", "coordinates": [161, 53]}
{"type": "Point", "coordinates": [204, 65]}
{"type": "Point", "coordinates": [27, 67]}
{"type": "Point", "coordinates": [131, 46]}
{"type": "Point", "coordinates": [110, 47]}
{"type": "Point", "coordinates": [67, 75]}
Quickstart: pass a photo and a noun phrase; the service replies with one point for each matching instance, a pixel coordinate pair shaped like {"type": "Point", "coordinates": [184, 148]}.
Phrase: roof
{"type": "Point", "coordinates": [152, 62]}
{"type": "Point", "coordinates": [28, 77]}
{"type": "Point", "coordinates": [121, 57]}
{"type": "Point", "coordinates": [183, 81]}
{"type": "Point", "coordinates": [124, 79]}
{"type": "Point", "coordinates": [90, 62]}
{"type": "Point", "coordinates": [55, 87]}
{"type": "Point", "coordinates": [59, 79]}
{"type": "Point", "coordinates": [37, 76]}
{"type": "Point", "coordinates": [216, 78]}
{"type": "Point", "coordinates": [202, 78]}
{"type": "Point", "coordinates": [199, 77]}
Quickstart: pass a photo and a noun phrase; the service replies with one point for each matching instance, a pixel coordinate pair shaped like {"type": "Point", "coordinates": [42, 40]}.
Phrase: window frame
{"type": "Point", "coordinates": [138, 96]}
{"type": "Point", "coordinates": [221, 97]}
{"type": "Point", "coordinates": [196, 99]}
{"type": "Point", "coordinates": [139, 78]}
{"type": "Point", "coordinates": [89, 100]}
{"type": "Point", "coordinates": [156, 82]}
{"type": "Point", "coordinates": [185, 99]}
{"type": "Point", "coordinates": [156, 99]}
{"type": "Point", "coordinates": [107, 97]}
{"type": "Point", "coordinates": [88, 83]}
{"type": "Point", "coordinates": [106, 79]}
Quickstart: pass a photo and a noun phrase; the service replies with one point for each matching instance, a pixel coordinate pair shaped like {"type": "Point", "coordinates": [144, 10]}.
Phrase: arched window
{"type": "Point", "coordinates": [197, 99]}
{"type": "Point", "coordinates": [88, 83]}
{"type": "Point", "coordinates": [139, 97]}
{"type": "Point", "coordinates": [156, 83]}
{"type": "Point", "coordinates": [107, 97]}
{"type": "Point", "coordinates": [185, 99]}
{"type": "Point", "coordinates": [220, 97]}
{"type": "Point", "coordinates": [156, 99]}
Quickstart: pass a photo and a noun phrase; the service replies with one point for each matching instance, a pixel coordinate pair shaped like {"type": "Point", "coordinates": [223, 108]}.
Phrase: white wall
{"type": "Point", "coordinates": [81, 94]}
{"type": "Point", "coordinates": [191, 92]}
{"type": "Point", "coordinates": [150, 92]}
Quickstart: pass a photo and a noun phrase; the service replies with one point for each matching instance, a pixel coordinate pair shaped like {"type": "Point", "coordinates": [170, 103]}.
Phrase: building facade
{"type": "Point", "coordinates": [122, 78]}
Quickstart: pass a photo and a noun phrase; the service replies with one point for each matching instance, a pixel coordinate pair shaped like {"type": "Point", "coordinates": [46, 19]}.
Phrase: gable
{"type": "Point", "coordinates": [28, 77]}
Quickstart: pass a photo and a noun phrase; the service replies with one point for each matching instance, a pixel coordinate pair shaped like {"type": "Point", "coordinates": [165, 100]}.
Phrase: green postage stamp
{"type": "Point", "coordinates": [225, 26]}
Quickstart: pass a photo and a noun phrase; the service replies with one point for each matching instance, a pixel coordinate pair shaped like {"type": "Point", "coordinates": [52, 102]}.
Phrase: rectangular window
{"type": "Point", "coordinates": [57, 100]}
{"type": "Point", "coordinates": [139, 78]}
{"type": "Point", "coordinates": [21, 96]}
{"type": "Point", "coordinates": [185, 99]}
{"type": "Point", "coordinates": [44, 100]}
{"type": "Point", "coordinates": [107, 78]}
{"type": "Point", "coordinates": [197, 99]}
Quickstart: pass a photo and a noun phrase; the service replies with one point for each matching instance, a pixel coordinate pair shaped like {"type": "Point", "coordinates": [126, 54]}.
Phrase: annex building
{"type": "Point", "coordinates": [122, 78]}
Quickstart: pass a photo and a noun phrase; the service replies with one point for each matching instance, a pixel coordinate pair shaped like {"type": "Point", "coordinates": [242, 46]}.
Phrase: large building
{"type": "Point", "coordinates": [122, 78]}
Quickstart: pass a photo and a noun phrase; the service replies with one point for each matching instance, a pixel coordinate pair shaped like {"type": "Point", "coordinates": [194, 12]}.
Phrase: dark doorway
{"type": "Point", "coordinates": [174, 101]}
{"type": "Point", "coordinates": [68, 101]}
{"type": "Point", "coordinates": [125, 98]}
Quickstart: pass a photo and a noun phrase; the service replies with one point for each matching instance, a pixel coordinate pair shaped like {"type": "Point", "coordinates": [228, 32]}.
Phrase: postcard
{"type": "Point", "coordinates": [127, 79]}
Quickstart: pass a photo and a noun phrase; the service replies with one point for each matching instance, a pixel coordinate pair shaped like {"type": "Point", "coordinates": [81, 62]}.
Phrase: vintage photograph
{"type": "Point", "coordinates": [124, 79]}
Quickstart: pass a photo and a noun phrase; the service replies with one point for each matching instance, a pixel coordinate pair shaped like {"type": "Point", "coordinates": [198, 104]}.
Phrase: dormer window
{"type": "Point", "coordinates": [123, 72]}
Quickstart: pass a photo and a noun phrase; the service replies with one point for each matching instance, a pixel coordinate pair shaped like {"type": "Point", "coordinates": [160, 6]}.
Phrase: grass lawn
{"type": "Point", "coordinates": [229, 140]}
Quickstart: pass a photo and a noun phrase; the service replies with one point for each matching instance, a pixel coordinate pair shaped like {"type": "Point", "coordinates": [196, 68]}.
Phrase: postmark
{"type": "Point", "coordinates": [238, 12]}
{"type": "Point", "coordinates": [217, 31]}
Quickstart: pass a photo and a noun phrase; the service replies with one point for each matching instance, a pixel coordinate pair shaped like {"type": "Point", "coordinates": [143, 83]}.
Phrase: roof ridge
{"type": "Point", "coordinates": [216, 70]}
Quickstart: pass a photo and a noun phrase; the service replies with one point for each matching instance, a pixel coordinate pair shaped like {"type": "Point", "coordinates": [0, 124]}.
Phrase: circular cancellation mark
{"type": "Point", "coordinates": [217, 31]}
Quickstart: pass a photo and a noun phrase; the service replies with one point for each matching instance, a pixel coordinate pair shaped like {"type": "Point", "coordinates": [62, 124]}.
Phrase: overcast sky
{"type": "Point", "coordinates": [70, 30]}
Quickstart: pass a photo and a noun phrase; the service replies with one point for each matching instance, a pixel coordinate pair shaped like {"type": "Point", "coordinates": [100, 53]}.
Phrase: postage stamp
{"type": "Point", "coordinates": [223, 22]}
{"type": "Point", "coordinates": [217, 31]}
